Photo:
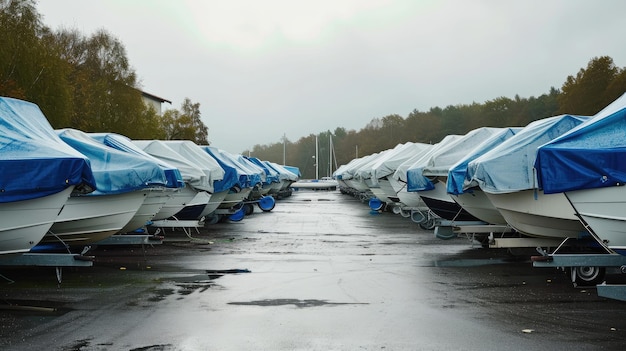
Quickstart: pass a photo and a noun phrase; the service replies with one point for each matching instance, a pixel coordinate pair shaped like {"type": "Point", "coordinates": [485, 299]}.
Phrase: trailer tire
{"type": "Point", "coordinates": [248, 209]}
{"type": "Point", "coordinates": [428, 224]}
{"type": "Point", "coordinates": [212, 218]}
{"type": "Point", "coordinates": [587, 275]}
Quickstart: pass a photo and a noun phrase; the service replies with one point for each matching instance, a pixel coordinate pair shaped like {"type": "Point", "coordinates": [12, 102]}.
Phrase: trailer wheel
{"type": "Point", "coordinates": [212, 218]}
{"type": "Point", "coordinates": [587, 275]}
{"type": "Point", "coordinates": [248, 209]}
{"type": "Point", "coordinates": [266, 203]}
{"type": "Point", "coordinates": [428, 224]}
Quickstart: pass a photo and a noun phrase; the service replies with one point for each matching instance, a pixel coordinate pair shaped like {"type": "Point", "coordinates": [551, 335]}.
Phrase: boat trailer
{"type": "Point", "coordinates": [586, 268]}
{"type": "Point", "coordinates": [56, 260]}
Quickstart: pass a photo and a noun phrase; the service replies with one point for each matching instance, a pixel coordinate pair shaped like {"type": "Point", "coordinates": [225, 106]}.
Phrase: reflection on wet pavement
{"type": "Point", "coordinates": [295, 302]}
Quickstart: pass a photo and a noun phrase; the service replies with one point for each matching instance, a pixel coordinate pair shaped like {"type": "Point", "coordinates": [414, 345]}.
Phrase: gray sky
{"type": "Point", "coordinates": [264, 68]}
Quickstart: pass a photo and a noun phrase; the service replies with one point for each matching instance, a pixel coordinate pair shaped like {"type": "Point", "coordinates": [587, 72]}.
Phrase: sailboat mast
{"type": "Point", "coordinates": [330, 155]}
{"type": "Point", "coordinates": [317, 169]}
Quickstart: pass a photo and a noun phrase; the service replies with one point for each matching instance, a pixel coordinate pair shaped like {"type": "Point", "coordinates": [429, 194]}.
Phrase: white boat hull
{"type": "Point", "coordinates": [215, 200]}
{"type": "Point", "coordinates": [89, 219]}
{"type": "Point", "coordinates": [383, 191]}
{"type": "Point", "coordinates": [179, 199]}
{"type": "Point", "coordinates": [544, 216]}
{"type": "Point", "coordinates": [357, 185]}
{"type": "Point", "coordinates": [231, 199]}
{"type": "Point", "coordinates": [604, 210]}
{"type": "Point", "coordinates": [478, 204]}
{"type": "Point", "coordinates": [24, 223]}
{"type": "Point", "coordinates": [154, 200]}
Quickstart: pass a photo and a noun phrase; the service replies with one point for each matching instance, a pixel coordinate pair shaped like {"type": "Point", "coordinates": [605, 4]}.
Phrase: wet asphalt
{"type": "Point", "coordinates": [319, 272]}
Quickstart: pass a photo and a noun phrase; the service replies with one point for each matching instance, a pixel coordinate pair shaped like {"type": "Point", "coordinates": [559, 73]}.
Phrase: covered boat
{"type": "Point", "coordinates": [170, 192]}
{"type": "Point", "coordinates": [472, 199]}
{"type": "Point", "coordinates": [376, 174]}
{"type": "Point", "coordinates": [198, 185]}
{"type": "Point", "coordinates": [247, 177]}
{"type": "Point", "coordinates": [272, 182]}
{"type": "Point", "coordinates": [429, 175]}
{"type": "Point", "coordinates": [39, 172]}
{"type": "Point", "coordinates": [505, 174]}
{"type": "Point", "coordinates": [349, 182]}
{"type": "Point", "coordinates": [400, 181]}
{"type": "Point", "coordinates": [225, 194]}
{"type": "Point", "coordinates": [587, 165]}
{"type": "Point", "coordinates": [123, 182]}
{"type": "Point", "coordinates": [284, 175]}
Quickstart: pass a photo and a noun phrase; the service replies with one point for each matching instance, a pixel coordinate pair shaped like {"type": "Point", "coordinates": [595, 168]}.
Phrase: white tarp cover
{"type": "Point", "coordinates": [438, 162]}
{"type": "Point", "coordinates": [389, 162]}
{"type": "Point", "coordinates": [191, 173]}
{"type": "Point", "coordinates": [353, 166]}
{"type": "Point", "coordinates": [401, 172]}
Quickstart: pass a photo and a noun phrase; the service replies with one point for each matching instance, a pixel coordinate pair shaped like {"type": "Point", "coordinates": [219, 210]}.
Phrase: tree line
{"type": "Point", "coordinates": [585, 93]}
{"type": "Point", "coordinates": [82, 82]}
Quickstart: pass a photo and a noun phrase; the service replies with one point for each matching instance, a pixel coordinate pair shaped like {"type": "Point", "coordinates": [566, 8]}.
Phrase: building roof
{"type": "Point", "coordinates": [154, 97]}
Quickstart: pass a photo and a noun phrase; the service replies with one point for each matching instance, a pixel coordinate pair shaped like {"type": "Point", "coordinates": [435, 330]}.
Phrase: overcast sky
{"type": "Point", "coordinates": [261, 69]}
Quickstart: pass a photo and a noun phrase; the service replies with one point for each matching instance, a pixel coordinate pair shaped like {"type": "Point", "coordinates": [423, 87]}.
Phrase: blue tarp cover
{"type": "Point", "coordinates": [458, 172]}
{"type": "Point", "coordinates": [34, 161]}
{"type": "Point", "coordinates": [115, 171]}
{"type": "Point", "coordinates": [123, 143]}
{"type": "Point", "coordinates": [252, 167]}
{"type": "Point", "coordinates": [233, 173]}
{"type": "Point", "coordinates": [592, 155]}
{"type": "Point", "coordinates": [283, 173]}
{"type": "Point", "coordinates": [509, 166]}
{"type": "Point", "coordinates": [271, 176]}
{"type": "Point", "coordinates": [294, 170]}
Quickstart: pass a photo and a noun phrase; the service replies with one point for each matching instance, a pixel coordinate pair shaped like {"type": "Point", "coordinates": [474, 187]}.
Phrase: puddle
{"type": "Point", "coordinates": [160, 294]}
{"type": "Point", "coordinates": [162, 347]}
{"type": "Point", "coordinates": [200, 286]}
{"type": "Point", "coordinates": [77, 345]}
{"type": "Point", "coordinates": [184, 286]}
{"type": "Point", "coordinates": [296, 302]}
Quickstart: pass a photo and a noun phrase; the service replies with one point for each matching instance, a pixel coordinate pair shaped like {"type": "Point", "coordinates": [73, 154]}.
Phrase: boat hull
{"type": "Point", "coordinates": [384, 191]}
{"type": "Point", "coordinates": [478, 205]}
{"type": "Point", "coordinates": [537, 214]}
{"type": "Point", "coordinates": [194, 208]}
{"type": "Point", "coordinates": [215, 200]}
{"type": "Point", "coordinates": [154, 200]}
{"type": "Point", "coordinates": [443, 206]}
{"type": "Point", "coordinates": [604, 210]}
{"type": "Point", "coordinates": [23, 224]}
{"type": "Point", "coordinates": [357, 185]}
{"type": "Point", "coordinates": [88, 219]}
{"type": "Point", "coordinates": [234, 198]}
{"type": "Point", "coordinates": [178, 200]}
